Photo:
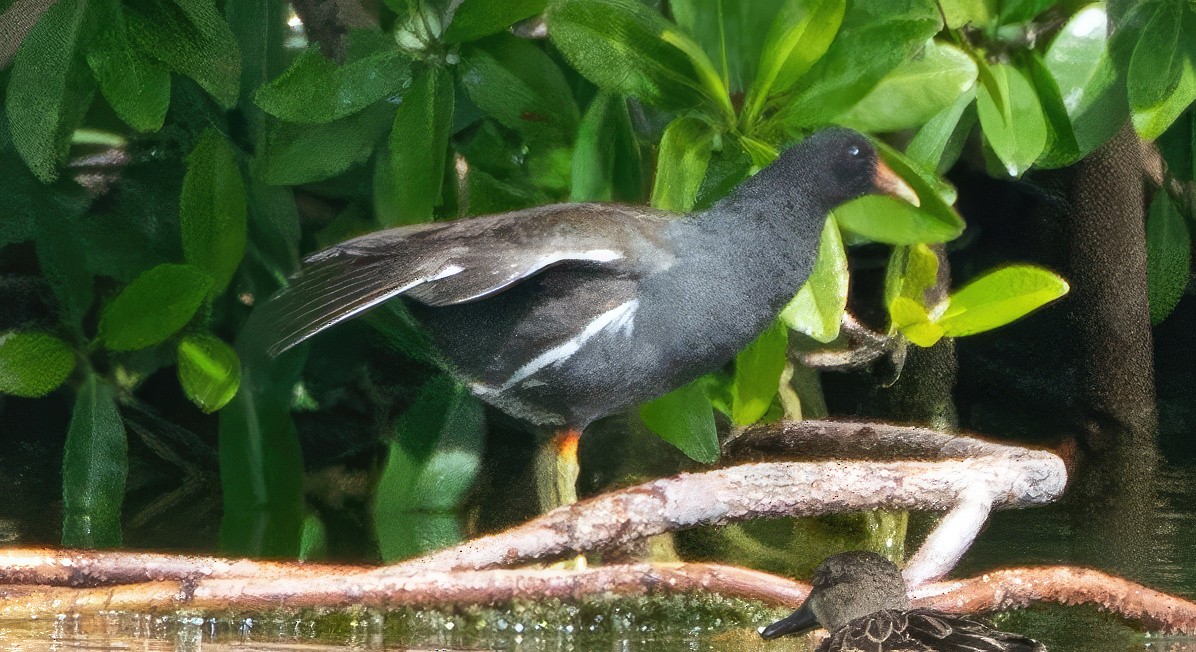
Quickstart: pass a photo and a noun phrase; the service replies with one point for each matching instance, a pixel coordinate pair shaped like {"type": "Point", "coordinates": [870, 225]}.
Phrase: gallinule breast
{"type": "Point", "coordinates": [859, 597]}
{"type": "Point", "coordinates": [566, 313]}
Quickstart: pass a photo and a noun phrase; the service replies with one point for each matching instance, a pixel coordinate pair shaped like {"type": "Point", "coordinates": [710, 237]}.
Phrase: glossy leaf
{"type": "Point", "coordinates": [33, 364]}
{"type": "Point", "coordinates": [136, 87]}
{"type": "Point", "coordinates": [191, 38]}
{"type": "Point", "coordinates": [1092, 92]}
{"type": "Point", "coordinates": [431, 464]}
{"type": "Point", "coordinates": [799, 36]}
{"type": "Point", "coordinates": [153, 307]}
{"type": "Point", "coordinates": [685, 419]}
{"type": "Point", "coordinates": [316, 90]}
{"type": "Point", "coordinates": [294, 154]}
{"type": "Point", "coordinates": [1158, 57]}
{"type": "Point", "coordinates": [606, 157]}
{"type": "Point", "coordinates": [876, 37]}
{"type": "Point", "coordinates": [939, 141]}
{"type": "Point", "coordinates": [910, 318]}
{"type": "Point", "coordinates": [209, 371]}
{"type": "Point", "coordinates": [419, 144]}
{"type": "Point", "coordinates": [213, 210]}
{"type": "Point", "coordinates": [94, 466]}
{"type": "Point", "coordinates": [1011, 117]}
{"type": "Point", "coordinates": [1061, 148]}
{"type": "Point", "coordinates": [910, 273]}
{"type": "Point", "coordinates": [817, 310]}
{"type": "Point", "coordinates": [477, 18]}
{"type": "Point", "coordinates": [1150, 122]}
{"type": "Point", "coordinates": [620, 46]}
{"type": "Point", "coordinates": [1168, 256]}
{"type": "Point", "coordinates": [49, 89]}
{"type": "Point", "coordinates": [999, 297]}
{"type": "Point", "coordinates": [915, 91]}
{"type": "Point", "coordinates": [684, 155]}
{"type": "Point", "coordinates": [758, 375]}
{"type": "Point", "coordinates": [521, 87]}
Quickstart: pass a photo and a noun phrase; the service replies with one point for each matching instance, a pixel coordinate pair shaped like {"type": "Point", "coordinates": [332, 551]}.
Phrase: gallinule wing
{"type": "Point", "coordinates": [859, 597]}
{"type": "Point", "coordinates": [562, 314]}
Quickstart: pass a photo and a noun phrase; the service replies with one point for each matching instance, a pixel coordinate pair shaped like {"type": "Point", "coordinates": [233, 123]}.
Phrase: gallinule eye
{"type": "Point", "coordinates": [562, 314]}
{"type": "Point", "coordinates": [859, 597]}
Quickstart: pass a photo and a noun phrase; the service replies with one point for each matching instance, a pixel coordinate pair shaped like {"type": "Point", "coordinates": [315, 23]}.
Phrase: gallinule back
{"type": "Point", "coordinates": [859, 597]}
{"type": "Point", "coordinates": [562, 314]}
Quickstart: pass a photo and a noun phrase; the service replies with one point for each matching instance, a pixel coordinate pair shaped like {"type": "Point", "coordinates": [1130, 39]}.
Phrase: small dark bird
{"type": "Point", "coordinates": [860, 598]}
{"type": "Point", "coordinates": [562, 314]}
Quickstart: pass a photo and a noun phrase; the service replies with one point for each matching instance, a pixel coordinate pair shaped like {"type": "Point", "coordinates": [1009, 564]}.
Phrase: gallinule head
{"type": "Point", "coordinates": [562, 314]}
{"type": "Point", "coordinates": [859, 597]}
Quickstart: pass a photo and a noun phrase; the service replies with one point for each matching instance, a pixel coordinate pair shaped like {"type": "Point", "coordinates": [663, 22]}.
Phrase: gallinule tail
{"type": "Point", "coordinates": [562, 314]}
{"type": "Point", "coordinates": [859, 597]}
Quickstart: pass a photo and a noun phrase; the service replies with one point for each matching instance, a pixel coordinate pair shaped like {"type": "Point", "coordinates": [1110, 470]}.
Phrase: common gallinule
{"type": "Point", "coordinates": [859, 597]}
{"type": "Point", "coordinates": [562, 314]}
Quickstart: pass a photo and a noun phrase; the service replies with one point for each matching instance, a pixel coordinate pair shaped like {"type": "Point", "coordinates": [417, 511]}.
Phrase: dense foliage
{"type": "Point", "coordinates": [167, 162]}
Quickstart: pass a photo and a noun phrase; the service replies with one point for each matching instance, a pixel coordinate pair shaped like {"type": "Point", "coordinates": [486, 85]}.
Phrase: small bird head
{"type": "Point", "coordinates": [845, 586]}
{"type": "Point", "coordinates": [838, 165]}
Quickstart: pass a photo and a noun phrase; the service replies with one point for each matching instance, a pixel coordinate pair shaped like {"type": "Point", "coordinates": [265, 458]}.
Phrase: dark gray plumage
{"type": "Point", "coordinates": [565, 313]}
{"type": "Point", "coordinates": [860, 598]}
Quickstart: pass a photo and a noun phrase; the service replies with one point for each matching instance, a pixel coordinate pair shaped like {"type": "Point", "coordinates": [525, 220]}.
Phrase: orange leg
{"type": "Point", "coordinates": [558, 470]}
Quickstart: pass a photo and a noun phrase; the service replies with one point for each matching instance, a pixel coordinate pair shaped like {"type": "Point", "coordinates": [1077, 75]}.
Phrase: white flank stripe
{"type": "Point", "coordinates": [619, 319]}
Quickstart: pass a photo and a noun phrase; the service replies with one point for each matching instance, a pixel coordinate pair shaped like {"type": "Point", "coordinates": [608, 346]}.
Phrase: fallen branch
{"type": "Point", "coordinates": [334, 588]}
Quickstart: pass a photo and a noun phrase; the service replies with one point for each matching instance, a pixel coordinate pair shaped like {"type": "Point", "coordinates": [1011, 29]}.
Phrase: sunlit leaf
{"type": "Point", "coordinates": [213, 210]}
{"type": "Point", "coordinates": [817, 310]}
{"type": "Point", "coordinates": [681, 165]}
{"type": "Point", "coordinates": [915, 91]}
{"type": "Point", "coordinates": [1168, 256]}
{"type": "Point", "coordinates": [999, 297]}
{"type": "Point", "coordinates": [758, 374]}
{"type": "Point", "coordinates": [94, 466]}
{"type": "Point", "coordinates": [33, 364]}
{"type": "Point", "coordinates": [209, 371]}
{"type": "Point", "coordinates": [153, 307]}
{"type": "Point", "coordinates": [938, 143]}
{"type": "Point", "coordinates": [1093, 93]}
{"type": "Point", "coordinates": [1011, 116]}
{"type": "Point", "coordinates": [911, 271]}
{"type": "Point", "coordinates": [685, 419]}
{"type": "Point", "coordinates": [910, 317]}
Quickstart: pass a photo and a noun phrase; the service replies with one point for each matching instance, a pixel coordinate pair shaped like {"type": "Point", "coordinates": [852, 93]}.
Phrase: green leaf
{"type": "Point", "coordinates": [314, 90]}
{"type": "Point", "coordinates": [758, 375]}
{"type": "Point", "coordinates": [727, 169]}
{"type": "Point", "coordinates": [313, 542]}
{"type": "Point", "coordinates": [977, 13]}
{"type": "Point", "coordinates": [684, 418]}
{"type": "Point", "coordinates": [294, 154]}
{"type": "Point", "coordinates": [1011, 117]}
{"type": "Point", "coordinates": [153, 307]}
{"type": "Point", "coordinates": [876, 37]}
{"type": "Point", "coordinates": [1092, 91]}
{"type": "Point", "coordinates": [799, 36]}
{"type": "Point", "coordinates": [94, 465]}
{"type": "Point", "coordinates": [817, 310]}
{"type": "Point", "coordinates": [910, 273]}
{"type": "Point", "coordinates": [999, 297]}
{"type": "Point", "coordinates": [212, 210]}
{"type": "Point", "coordinates": [1061, 148]}
{"type": "Point", "coordinates": [137, 88]}
{"type": "Point", "coordinates": [1168, 256]}
{"type": "Point", "coordinates": [939, 142]}
{"type": "Point", "coordinates": [520, 86]}
{"type": "Point", "coordinates": [915, 91]}
{"type": "Point", "coordinates": [49, 88]}
{"type": "Point", "coordinates": [419, 144]}
{"type": "Point", "coordinates": [621, 46]}
{"type": "Point", "coordinates": [1019, 11]}
{"type": "Point", "coordinates": [62, 257]}
{"type": "Point", "coordinates": [33, 364]}
{"type": "Point", "coordinates": [477, 18]}
{"type": "Point", "coordinates": [681, 165]}
{"type": "Point", "coordinates": [191, 38]}
{"type": "Point", "coordinates": [890, 220]}
{"type": "Point", "coordinates": [209, 371]}
{"type": "Point", "coordinates": [910, 317]}
{"type": "Point", "coordinates": [1158, 57]}
{"type": "Point", "coordinates": [730, 32]}
{"type": "Point", "coordinates": [432, 462]}
{"type": "Point", "coordinates": [606, 157]}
